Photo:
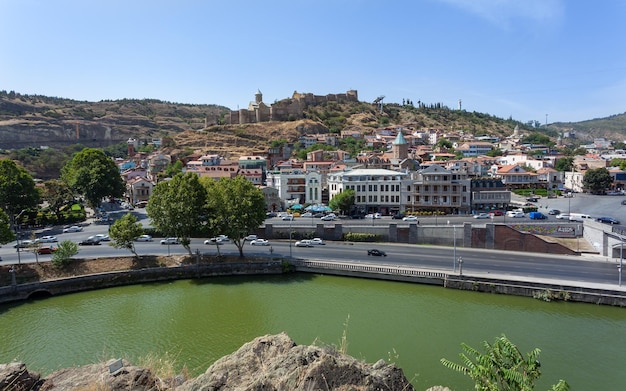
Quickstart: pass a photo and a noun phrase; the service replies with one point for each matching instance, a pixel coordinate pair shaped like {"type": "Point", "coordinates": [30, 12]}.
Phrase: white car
{"type": "Point", "coordinates": [307, 214]}
{"type": "Point", "coordinates": [373, 216]}
{"type": "Point", "coordinates": [513, 213]}
{"type": "Point", "coordinates": [170, 241]}
{"type": "Point", "coordinates": [144, 238]}
{"type": "Point", "coordinates": [47, 239]}
{"type": "Point", "coordinates": [214, 242]}
{"type": "Point", "coordinates": [317, 241]}
{"type": "Point", "coordinates": [481, 216]}
{"type": "Point", "coordinates": [260, 242]}
{"type": "Point", "coordinates": [304, 243]}
{"type": "Point", "coordinates": [409, 218]}
{"type": "Point", "coordinates": [288, 218]}
{"type": "Point", "coordinates": [250, 238]}
{"type": "Point", "coordinates": [328, 217]}
{"type": "Point", "coordinates": [73, 228]}
{"type": "Point", "coordinates": [562, 216]}
{"type": "Point", "coordinates": [102, 237]}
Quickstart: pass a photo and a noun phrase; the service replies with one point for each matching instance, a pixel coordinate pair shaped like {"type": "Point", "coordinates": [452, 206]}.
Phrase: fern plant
{"type": "Point", "coordinates": [502, 367]}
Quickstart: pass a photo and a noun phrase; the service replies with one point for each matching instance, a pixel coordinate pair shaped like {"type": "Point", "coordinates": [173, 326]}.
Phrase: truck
{"type": "Point", "coordinates": [537, 216]}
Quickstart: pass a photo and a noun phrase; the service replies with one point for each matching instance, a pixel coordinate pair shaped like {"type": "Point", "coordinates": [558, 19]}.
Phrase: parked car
{"type": "Point", "coordinates": [287, 218]}
{"type": "Point", "coordinates": [607, 220]}
{"type": "Point", "coordinates": [554, 212]}
{"type": "Point", "coordinates": [623, 202]}
{"type": "Point", "coordinates": [90, 241]}
{"type": "Point", "coordinates": [47, 250]}
{"type": "Point", "coordinates": [48, 239]}
{"type": "Point", "coordinates": [303, 243]}
{"type": "Point", "coordinates": [170, 241]}
{"type": "Point", "coordinates": [514, 213]}
{"type": "Point", "coordinates": [250, 238]}
{"type": "Point", "coordinates": [329, 217]}
{"type": "Point", "coordinates": [270, 214]}
{"type": "Point", "coordinates": [103, 237]}
{"type": "Point", "coordinates": [537, 216]}
{"type": "Point", "coordinates": [481, 216]}
{"type": "Point", "coordinates": [562, 216]}
{"type": "Point", "coordinates": [24, 244]}
{"type": "Point", "coordinates": [409, 218]}
{"type": "Point", "coordinates": [141, 204]}
{"type": "Point", "coordinates": [144, 238]}
{"type": "Point", "coordinates": [307, 214]}
{"type": "Point", "coordinates": [498, 213]}
{"type": "Point", "coordinates": [317, 241]}
{"type": "Point", "coordinates": [73, 228]}
{"type": "Point", "coordinates": [377, 253]}
{"type": "Point", "coordinates": [532, 199]}
{"type": "Point", "coordinates": [260, 242]}
{"type": "Point", "coordinates": [373, 216]}
{"type": "Point", "coordinates": [398, 216]}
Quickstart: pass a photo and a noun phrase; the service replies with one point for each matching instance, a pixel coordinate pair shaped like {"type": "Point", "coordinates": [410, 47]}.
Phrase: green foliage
{"type": "Point", "coordinates": [360, 237]}
{"type": "Point", "coordinates": [598, 180]}
{"type": "Point", "coordinates": [343, 201]}
{"type": "Point", "coordinates": [57, 194]}
{"type": "Point", "coordinates": [235, 207]}
{"type": "Point", "coordinates": [94, 175]}
{"type": "Point", "coordinates": [278, 143]}
{"type": "Point", "coordinates": [177, 207]}
{"type": "Point", "coordinates": [494, 152]}
{"type": "Point", "coordinates": [124, 232]}
{"type": "Point", "coordinates": [17, 188]}
{"type": "Point", "coordinates": [502, 367]}
{"type": "Point", "coordinates": [6, 234]}
{"type": "Point", "coordinates": [564, 164]}
{"type": "Point", "coordinates": [63, 256]}
{"type": "Point", "coordinates": [174, 168]}
{"type": "Point", "coordinates": [537, 139]}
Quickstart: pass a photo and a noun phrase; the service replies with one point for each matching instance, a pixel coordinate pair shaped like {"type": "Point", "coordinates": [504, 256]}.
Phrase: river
{"type": "Point", "coordinates": [199, 321]}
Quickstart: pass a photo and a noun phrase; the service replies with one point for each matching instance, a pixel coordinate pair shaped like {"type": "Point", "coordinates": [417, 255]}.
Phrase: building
{"type": "Point", "coordinates": [489, 195]}
{"type": "Point", "coordinates": [376, 190]}
{"type": "Point", "coordinates": [439, 189]}
{"type": "Point", "coordinates": [296, 186]}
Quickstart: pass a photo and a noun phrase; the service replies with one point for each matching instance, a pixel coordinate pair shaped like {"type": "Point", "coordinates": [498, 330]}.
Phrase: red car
{"type": "Point", "coordinates": [498, 213]}
{"type": "Point", "coordinates": [46, 250]}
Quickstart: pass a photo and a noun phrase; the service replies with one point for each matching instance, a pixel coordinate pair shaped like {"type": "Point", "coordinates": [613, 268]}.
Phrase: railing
{"type": "Point", "coordinates": [369, 268]}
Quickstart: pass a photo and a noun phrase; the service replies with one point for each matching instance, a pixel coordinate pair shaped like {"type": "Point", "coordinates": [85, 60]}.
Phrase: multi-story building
{"type": "Point", "coordinates": [376, 190]}
{"type": "Point", "coordinates": [297, 186]}
{"type": "Point", "coordinates": [488, 195]}
{"type": "Point", "coordinates": [438, 189]}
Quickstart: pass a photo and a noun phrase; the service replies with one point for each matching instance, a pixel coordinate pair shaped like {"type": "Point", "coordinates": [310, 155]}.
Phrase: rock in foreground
{"type": "Point", "coordinates": [268, 363]}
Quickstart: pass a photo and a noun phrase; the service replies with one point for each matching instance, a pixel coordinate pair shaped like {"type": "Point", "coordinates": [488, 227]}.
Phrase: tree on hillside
{"type": "Point", "coordinates": [501, 367]}
{"type": "Point", "coordinates": [598, 180]}
{"type": "Point", "coordinates": [94, 175]}
{"type": "Point", "coordinates": [177, 207]}
{"type": "Point", "coordinates": [6, 234]}
{"type": "Point", "coordinates": [124, 232]}
{"type": "Point", "coordinates": [17, 189]}
{"type": "Point", "coordinates": [343, 201]}
{"type": "Point", "coordinates": [235, 207]}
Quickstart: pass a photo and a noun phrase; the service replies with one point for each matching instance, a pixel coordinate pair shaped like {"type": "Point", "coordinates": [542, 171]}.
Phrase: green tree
{"type": "Point", "coordinates": [343, 201]}
{"type": "Point", "coordinates": [6, 234]}
{"type": "Point", "coordinates": [235, 207]}
{"type": "Point", "coordinates": [502, 367]}
{"type": "Point", "coordinates": [598, 180]}
{"type": "Point", "coordinates": [57, 194]}
{"type": "Point", "coordinates": [177, 207]}
{"type": "Point", "coordinates": [17, 189]}
{"type": "Point", "coordinates": [564, 164]}
{"type": "Point", "coordinates": [63, 256]}
{"type": "Point", "coordinates": [174, 168]}
{"type": "Point", "coordinates": [94, 175]}
{"type": "Point", "coordinates": [124, 232]}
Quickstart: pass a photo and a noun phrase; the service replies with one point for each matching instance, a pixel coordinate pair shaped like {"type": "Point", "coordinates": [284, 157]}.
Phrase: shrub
{"type": "Point", "coordinates": [64, 254]}
{"type": "Point", "coordinates": [360, 237]}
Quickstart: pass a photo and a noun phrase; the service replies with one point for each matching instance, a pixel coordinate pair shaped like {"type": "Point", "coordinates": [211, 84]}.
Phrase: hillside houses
{"type": "Point", "coordinates": [401, 171]}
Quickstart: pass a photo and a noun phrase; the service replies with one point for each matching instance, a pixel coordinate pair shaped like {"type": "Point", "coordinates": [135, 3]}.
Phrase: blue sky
{"type": "Point", "coordinates": [554, 60]}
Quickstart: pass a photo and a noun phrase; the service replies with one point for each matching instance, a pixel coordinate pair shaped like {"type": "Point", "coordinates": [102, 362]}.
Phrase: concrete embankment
{"type": "Point", "coordinates": [543, 290]}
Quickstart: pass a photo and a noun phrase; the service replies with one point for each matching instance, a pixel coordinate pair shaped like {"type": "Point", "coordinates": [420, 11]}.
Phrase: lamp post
{"type": "Point", "coordinates": [454, 254]}
{"type": "Point", "coordinates": [460, 266]}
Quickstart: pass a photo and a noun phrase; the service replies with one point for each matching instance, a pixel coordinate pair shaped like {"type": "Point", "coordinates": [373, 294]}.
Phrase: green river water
{"type": "Point", "coordinates": [199, 321]}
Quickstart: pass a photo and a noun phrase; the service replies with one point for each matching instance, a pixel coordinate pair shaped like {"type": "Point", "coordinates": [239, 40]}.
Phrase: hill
{"type": "Point", "coordinates": [611, 128]}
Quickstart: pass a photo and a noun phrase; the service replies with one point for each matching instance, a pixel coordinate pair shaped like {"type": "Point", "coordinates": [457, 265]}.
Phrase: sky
{"type": "Point", "coordinates": [530, 60]}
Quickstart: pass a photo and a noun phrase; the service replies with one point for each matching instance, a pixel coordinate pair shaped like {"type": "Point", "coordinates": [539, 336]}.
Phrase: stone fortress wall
{"type": "Point", "coordinates": [286, 109]}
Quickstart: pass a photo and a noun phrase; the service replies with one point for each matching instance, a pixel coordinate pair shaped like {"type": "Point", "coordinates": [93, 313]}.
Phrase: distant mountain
{"type": "Point", "coordinates": [611, 128]}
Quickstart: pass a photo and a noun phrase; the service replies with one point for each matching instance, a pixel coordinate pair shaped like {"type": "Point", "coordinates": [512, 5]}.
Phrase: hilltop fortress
{"type": "Point", "coordinates": [285, 110]}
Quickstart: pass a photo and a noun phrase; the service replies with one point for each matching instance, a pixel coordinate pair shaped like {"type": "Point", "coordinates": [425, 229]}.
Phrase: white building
{"type": "Point", "coordinates": [297, 186]}
{"type": "Point", "coordinates": [376, 190]}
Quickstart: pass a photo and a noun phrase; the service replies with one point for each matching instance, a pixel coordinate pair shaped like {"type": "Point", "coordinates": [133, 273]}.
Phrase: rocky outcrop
{"type": "Point", "coordinates": [269, 363]}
